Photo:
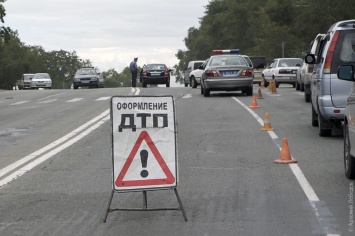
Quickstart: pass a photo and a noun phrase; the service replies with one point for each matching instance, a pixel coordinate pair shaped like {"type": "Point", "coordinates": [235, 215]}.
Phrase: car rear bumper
{"type": "Point", "coordinates": [86, 84]}
{"type": "Point", "coordinates": [286, 79]}
{"type": "Point", "coordinates": [227, 83]}
{"type": "Point", "coordinates": [156, 80]}
{"type": "Point", "coordinates": [41, 85]}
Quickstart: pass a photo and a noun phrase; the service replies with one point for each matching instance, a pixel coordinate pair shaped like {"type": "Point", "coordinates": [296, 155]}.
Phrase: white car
{"type": "Point", "coordinates": [282, 70]}
{"type": "Point", "coordinates": [195, 76]}
{"type": "Point", "coordinates": [41, 80]}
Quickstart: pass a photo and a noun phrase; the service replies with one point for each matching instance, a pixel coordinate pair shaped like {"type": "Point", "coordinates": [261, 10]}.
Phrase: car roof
{"type": "Point", "coordinates": [345, 24]}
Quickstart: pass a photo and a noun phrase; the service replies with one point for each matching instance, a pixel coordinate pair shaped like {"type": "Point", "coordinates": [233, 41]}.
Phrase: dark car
{"type": "Point", "coordinates": [155, 74]}
{"type": "Point", "coordinates": [88, 77]}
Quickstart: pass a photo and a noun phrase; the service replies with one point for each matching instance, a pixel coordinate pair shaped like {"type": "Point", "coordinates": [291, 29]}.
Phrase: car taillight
{"type": "Point", "coordinates": [212, 73]}
{"type": "Point", "coordinates": [330, 53]}
{"type": "Point", "coordinates": [144, 73]}
{"type": "Point", "coordinates": [247, 72]}
{"type": "Point", "coordinates": [166, 74]}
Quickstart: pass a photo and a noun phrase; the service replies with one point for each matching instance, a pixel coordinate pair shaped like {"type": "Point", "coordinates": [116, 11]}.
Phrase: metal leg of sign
{"type": "Point", "coordinates": [145, 206]}
{"type": "Point", "coordinates": [108, 207]}
{"type": "Point", "coordinates": [145, 203]}
{"type": "Point", "coordinates": [180, 203]}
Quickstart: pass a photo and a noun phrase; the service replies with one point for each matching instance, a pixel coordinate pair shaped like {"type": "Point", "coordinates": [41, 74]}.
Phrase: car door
{"type": "Point", "coordinates": [316, 78]}
{"type": "Point", "coordinates": [268, 72]}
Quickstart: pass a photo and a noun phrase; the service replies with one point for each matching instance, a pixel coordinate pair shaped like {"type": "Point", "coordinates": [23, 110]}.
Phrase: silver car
{"type": "Point", "coordinates": [328, 93]}
{"type": "Point", "coordinates": [226, 71]}
{"type": "Point", "coordinates": [346, 72]}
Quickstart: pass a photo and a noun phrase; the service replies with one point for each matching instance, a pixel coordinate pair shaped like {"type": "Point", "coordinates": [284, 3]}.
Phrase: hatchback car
{"type": "Point", "coordinates": [226, 71]}
{"type": "Point", "coordinates": [191, 66]}
{"type": "Point", "coordinates": [328, 93]}
{"type": "Point", "coordinates": [195, 76]}
{"type": "Point", "coordinates": [88, 77]}
{"type": "Point", "coordinates": [155, 74]}
{"type": "Point", "coordinates": [282, 71]}
{"type": "Point", "coordinates": [41, 80]}
{"type": "Point", "coordinates": [346, 72]}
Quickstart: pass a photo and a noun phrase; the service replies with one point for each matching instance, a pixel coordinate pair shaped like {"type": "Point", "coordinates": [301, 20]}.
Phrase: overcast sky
{"type": "Point", "coordinates": [108, 32]}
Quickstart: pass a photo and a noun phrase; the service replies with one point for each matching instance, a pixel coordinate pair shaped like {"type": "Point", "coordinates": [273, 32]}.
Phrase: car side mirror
{"type": "Point", "coordinates": [310, 59]}
{"type": "Point", "coordinates": [346, 72]}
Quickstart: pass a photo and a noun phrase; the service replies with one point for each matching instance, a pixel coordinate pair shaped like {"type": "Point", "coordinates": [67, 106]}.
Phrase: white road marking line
{"type": "Point", "coordinates": [102, 98]}
{"type": "Point", "coordinates": [75, 100]}
{"type": "Point", "coordinates": [48, 101]}
{"type": "Point", "coordinates": [18, 103]}
{"type": "Point", "coordinates": [50, 96]}
{"type": "Point", "coordinates": [50, 146]}
{"type": "Point", "coordinates": [301, 178]}
{"type": "Point", "coordinates": [187, 95]}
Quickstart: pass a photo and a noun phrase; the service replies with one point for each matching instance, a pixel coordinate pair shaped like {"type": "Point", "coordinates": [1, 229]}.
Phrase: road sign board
{"type": "Point", "coordinates": [143, 142]}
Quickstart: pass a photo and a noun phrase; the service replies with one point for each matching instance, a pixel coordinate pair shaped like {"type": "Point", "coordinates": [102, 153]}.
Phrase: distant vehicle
{"type": "Point", "coordinates": [192, 65]}
{"type": "Point", "coordinates": [25, 81]}
{"type": "Point", "coordinates": [41, 80]}
{"type": "Point", "coordinates": [88, 77]}
{"type": "Point", "coordinates": [329, 94]}
{"type": "Point", "coordinates": [259, 64]}
{"type": "Point", "coordinates": [225, 70]}
{"type": "Point", "coordinates": [155, 74]}
{"type": "Point", "coordinates": [282, 70]}
{"type": "Point", "coordinates": [346, 72]}
{"type": "Point", "coordinates": [195, 76]}
{"type": "Point", "coordinates": [307, 73]}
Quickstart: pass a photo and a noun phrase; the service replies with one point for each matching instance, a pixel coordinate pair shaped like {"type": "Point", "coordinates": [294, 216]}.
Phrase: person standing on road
{"type": "Point", "coordinates": [134, 71]}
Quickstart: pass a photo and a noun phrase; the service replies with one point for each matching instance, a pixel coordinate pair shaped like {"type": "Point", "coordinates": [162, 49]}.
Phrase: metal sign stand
{"type": "Point", "coordinates": [145, 206]}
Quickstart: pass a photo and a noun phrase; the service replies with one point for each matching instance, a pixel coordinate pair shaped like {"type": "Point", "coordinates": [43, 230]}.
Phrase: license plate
{"type": "Point", "coordinates": [230, 72]}
{"type": "Point", "coordinates": [85, 81]}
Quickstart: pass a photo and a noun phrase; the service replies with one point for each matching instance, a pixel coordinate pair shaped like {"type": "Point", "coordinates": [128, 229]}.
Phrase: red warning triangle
{"type": "Point", "coordinates": [170, 179]}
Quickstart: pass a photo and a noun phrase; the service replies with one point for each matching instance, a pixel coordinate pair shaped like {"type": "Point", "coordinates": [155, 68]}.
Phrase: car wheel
{"type": "Point", "coordinates": [186, 84]}
{"type": "Point", "coordinates": [302, 87]}
{"type": "Point", "coordinates": [206, 92]}
{"type": "Point", "coordinates": [277, 85]}
{"type": "Point", "coordinates": [349, 160]}
{"type": "Point", "coordinates": [75, 87]}
{"type": "Point", "coordinates": [323, 132]}
{"type": "Point", "coordinates": [144, 84]}
{"type": "Point", "coordinates": [249, 91]}
{"type": "Point", "coordinates": [294, 85]}
{"type": "Point", "coordinates": [314, 118]}
{"type": "Point", "coordinates": [307, 97]}
{"type": "Point", "coordinates": [168, 85]}
{"type": "Point", "coordinates": [193, 82]}
{"type": "Point", "coordinates": [297, 86]}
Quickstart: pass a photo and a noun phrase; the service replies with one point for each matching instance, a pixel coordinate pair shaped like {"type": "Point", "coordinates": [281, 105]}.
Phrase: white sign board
{"type": "Point", "coordinates": [143, 142]}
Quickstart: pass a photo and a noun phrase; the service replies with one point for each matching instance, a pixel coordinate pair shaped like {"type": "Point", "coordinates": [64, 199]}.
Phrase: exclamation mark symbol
{"type": "Point", "coordinates": [144, 160]}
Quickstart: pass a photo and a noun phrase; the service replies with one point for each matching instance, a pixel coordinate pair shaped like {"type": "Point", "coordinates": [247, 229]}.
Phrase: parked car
{"type": "Point", "coordinates": [300, 76]}
{"type": "Point", "coordinates": [195, 76]}
{"type": "Point", "coordinates": [259, 63]}
{"type": "Point", "coordinates": [41, 80]}
{"type": "Point", "coordinates": [225, 70]}
{"type": "Point", "coordinates": [346, 72]}
{"type": "Point", "coordinates": [192, 65]}
{"type": "Point", "coordinates": [24, 82]}
{"type": "Point", "coordinates": [328, 93]}
{"type": "Point", "coordinates": [155, 74]}
{"type": "Point", "coordinates": [307, 70]}
{"type": "Point", "coordinates": [282, 70]}
{"type": "Point", "coordinates": [88, 77]}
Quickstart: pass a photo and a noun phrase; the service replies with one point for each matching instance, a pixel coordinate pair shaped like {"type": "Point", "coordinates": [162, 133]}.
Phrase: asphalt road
{"type": "Point", "coordinates": [56, 167]}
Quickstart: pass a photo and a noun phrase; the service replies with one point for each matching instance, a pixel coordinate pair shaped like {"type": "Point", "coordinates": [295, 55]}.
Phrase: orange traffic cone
{"type": "Point", "coordinates": [259, 95]}
{"type": "Point", "coordinates": [270, 85]}
{"type": "Point", "coordinates": [254, 104]}
{"type": "Point", "coordinates": [273, 89]}
{"type": "Point", "coordinates": [285, 155]}
{"type": "Point", "coordinates": [267, 124]}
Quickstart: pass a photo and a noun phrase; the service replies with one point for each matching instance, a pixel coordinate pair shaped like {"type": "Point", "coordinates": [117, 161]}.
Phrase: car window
{"type": "Point", "coordinates": [197, 65]}
{"type": "Point", "coordinates": [228, 61]}
{"type": "Point", "coordinates": [41, 76]}
{"type": "Point", "coordinates": [289, 62]}
{"type": "Point", "coordinates": [85, 72]}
